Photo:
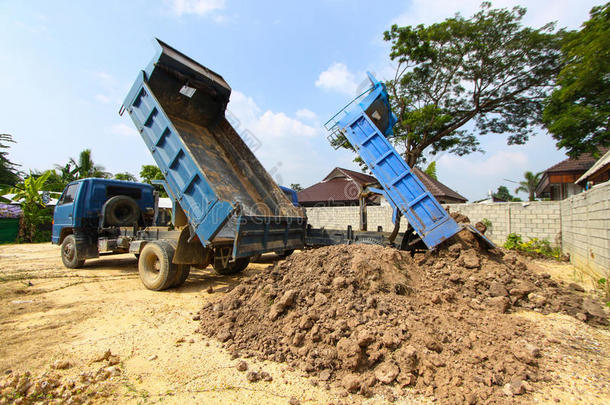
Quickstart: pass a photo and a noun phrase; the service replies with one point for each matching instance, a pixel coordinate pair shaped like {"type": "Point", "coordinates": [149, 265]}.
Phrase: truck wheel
{"type": "Point", "coordinates": [233, 268]}
{"type": "Point", "coordinates": [155, 266]}
{"type": "Point", "coordinates": [182, 273]}
{"type": "Point", "coordinates": [68, 253]}
{"type": "Point", "coordinates": [368, 241]}
{"type": "Point", "coordinates": [121, 210]}
{"type": "Point", "coordinates": [285, 253]}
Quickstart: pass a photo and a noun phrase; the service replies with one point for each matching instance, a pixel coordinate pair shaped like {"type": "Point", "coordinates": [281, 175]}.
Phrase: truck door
{"type": "Point", "coordinates": [64, 211]}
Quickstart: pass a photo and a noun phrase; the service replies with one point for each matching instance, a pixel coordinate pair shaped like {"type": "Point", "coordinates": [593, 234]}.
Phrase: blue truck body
{"type": "Point", "coordinates": [367, 123]}
{"type": "Point", "coordinates": [80, 205]}
{"type": "Point", "coordinates": [178, 107]}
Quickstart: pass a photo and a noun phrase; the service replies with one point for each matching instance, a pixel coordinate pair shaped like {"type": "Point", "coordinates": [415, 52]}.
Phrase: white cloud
{"type": "Point", "coordinates": [267, 124]}
{"type": "Point", "coordinates": [306, 114]}
{"type": "Point", "coordinates": [198, 7]}
{"type": "Point", "coordinates": [280, 125]}
{"type": "Point", "coordinates": [338, 78]}
{"type": "Point", "coordinates": [124, 130]}
{"type": "Point", "coordinates": [102, 98]}
{"type": "Point", "coordinates": [103, 76]}
{"type": "Point", "coordinates": [288, 147]}
{"type": "Point", "coordinates": [498, 164]}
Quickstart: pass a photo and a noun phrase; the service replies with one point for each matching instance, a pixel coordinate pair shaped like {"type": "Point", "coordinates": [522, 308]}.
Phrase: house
{"type": "Point", "coordinates": [558, 182]}
{"type": "Point", "coordinates": [342, 187]}
{"type": "Point", "coordinates": [598, 173]}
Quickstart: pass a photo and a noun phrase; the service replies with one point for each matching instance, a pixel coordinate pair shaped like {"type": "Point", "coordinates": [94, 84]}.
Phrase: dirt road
{"type": "Point", "coordinates": [50, 313]}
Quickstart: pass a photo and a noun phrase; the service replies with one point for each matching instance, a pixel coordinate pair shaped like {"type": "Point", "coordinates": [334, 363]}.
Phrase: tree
{"type": "Point", "coordinates": [529, 184]}
{"type": "Point", "coordinates": [487, 71]}
{"type": "Point", "coordinates": [505, 195]}
{"type": "Point", "coordinates": [86, 168]}
{"type": "Point", "coordinates": [125, 176]}
{"type": "Point", "coordinates": [9, 175]}
{"type": "Point", "coordinates": [148, 173]}
{"type": "Point", "coordinates": [29, 195]}
{"type": "Point", "coordinates": [578, 111]}
{"type": "Point", "coordinates": [431, 170]}
{"type": "Point", "coordinates": [296, 187]}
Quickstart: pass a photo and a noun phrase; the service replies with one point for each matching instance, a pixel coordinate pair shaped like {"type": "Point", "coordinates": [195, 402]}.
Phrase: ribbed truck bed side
{"type": "Point", "coordinates": [364, 127]}
{"type": "Point", "coordinates": [178, 107]}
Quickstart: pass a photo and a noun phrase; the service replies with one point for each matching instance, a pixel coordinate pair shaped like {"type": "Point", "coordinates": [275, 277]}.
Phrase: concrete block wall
{"type": "Point", "coordinates": [585, 229]}
{"type": "Point", "coordinates": [536, 219]}
{"type": "Point", "coordinates": [341, 217]}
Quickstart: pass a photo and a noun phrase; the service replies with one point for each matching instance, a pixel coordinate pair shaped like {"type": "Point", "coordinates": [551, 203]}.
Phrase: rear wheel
{"type": "Point", "coordinates": [182, 273]}
{"type": "Point", "coordinates": [155, 266]}
{"type": "Point", "coordinates": [68, 253]}
{"type": "Point", "coordinates": [232, 267]}
{"type": "Point", "coordinates": [285, 253]}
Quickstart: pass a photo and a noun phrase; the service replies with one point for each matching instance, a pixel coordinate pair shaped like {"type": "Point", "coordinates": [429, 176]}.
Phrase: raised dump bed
{"type": "Point", "coordinates": [220, 189]}
{"type": "Point", "coordinates": [366, 123]}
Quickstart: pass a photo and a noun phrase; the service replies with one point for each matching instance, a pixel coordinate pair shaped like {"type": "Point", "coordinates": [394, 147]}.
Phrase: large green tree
{"type": "Point", "coordinates": [9, 175]}
{"type": "Point", "coordinates": [528, 185]}
{"type": "Point", "coordinates": [505, 195]}
{"type": "Point", "coordinates": [465, 77]}
{"type": "Point", "coordinates": [148, 173]}
{"type": "Point", "coordinates": [578, 111]}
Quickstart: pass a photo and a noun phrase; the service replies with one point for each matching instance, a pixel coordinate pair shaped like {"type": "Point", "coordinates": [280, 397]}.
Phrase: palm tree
{"type": "Point", "coordinates": [86, 168]}
{"type": "Point", "coordinates": [529, 184]}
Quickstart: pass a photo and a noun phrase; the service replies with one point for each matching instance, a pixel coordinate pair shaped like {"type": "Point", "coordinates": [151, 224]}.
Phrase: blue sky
{"type": "Point", "coordinates": [65, 67]}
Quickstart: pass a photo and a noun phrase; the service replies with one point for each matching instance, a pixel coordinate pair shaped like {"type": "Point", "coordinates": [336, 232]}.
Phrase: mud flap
{"type": "Point", "coordinates": [190, 251]}
{"type": "Point", "coordinates": [86, 245]}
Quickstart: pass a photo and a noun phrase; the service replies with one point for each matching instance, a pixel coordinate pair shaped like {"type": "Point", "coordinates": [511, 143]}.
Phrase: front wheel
{"type": "Point", "coordinates": [155, 266]}
{"type": "Point", "coordinates": [232, 267]}
{"type": "Point", "coordinates": [68, 253]}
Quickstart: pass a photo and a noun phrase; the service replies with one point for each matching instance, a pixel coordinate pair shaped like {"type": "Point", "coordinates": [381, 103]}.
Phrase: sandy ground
{"type": "Point", "coordinates": [49, 313]}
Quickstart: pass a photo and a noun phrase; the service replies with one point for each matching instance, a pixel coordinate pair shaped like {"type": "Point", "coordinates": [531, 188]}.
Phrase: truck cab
{"type": "Point", "coordinates": [93, 209]}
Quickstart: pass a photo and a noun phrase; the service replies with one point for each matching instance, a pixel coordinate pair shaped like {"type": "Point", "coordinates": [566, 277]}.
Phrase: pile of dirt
{"type": "Point", "coordinates": [373, 319]}
{"type": "Point", "coordinates": [55, 387]}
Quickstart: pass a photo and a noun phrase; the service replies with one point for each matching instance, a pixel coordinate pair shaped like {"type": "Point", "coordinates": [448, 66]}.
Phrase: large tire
{"type": "Point", "coordinates": [182, 273]}
{"type": "Point", "coordinates": [121, 210]}
{"type": "Point", "coordinates": [155, 266]}
{"type": "Point", "coordinates": [285, 253]}
{"type": "Point", "coordinates": [68, 253]}
{"type": "Point", "coordinates": [368, 241]}
{"type": "Point", "coordinates": [233, 267]}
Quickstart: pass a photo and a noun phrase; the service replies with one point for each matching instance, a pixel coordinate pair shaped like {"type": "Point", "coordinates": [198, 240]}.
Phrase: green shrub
{"type": "Point", "coordinates": [534, 245]}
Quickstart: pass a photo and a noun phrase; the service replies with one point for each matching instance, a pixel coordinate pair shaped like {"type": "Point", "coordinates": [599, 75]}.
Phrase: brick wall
{"type": "Point", "coordinates": [579, 224]}
{"type": "Point", "coordinates": [585, 229]}
{"type": "Point", "coordinates": [536, 219]}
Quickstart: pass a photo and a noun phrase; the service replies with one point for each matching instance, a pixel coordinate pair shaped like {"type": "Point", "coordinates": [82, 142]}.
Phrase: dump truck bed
{"type": "Point", "coordinates": [366, 123]}
{"type": "Point", "coordinates": [178, 107]}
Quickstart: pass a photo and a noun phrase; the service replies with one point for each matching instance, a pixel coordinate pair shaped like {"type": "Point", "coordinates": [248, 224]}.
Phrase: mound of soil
{"type": "Point", "coordinates": [373, 319]}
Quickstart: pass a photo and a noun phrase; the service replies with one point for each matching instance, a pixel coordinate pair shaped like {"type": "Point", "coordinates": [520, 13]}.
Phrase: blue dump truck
{"type": "Point", "coordinates": [226, 207]}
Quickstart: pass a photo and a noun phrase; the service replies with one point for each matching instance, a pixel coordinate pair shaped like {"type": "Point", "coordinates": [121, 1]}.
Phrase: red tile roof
{"type": "Point", "coordinates": [438, 189]}
{"type": "Point", "coordinates": [343, 185]}
{"type": "Point", "coordinates": [581, 164]}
